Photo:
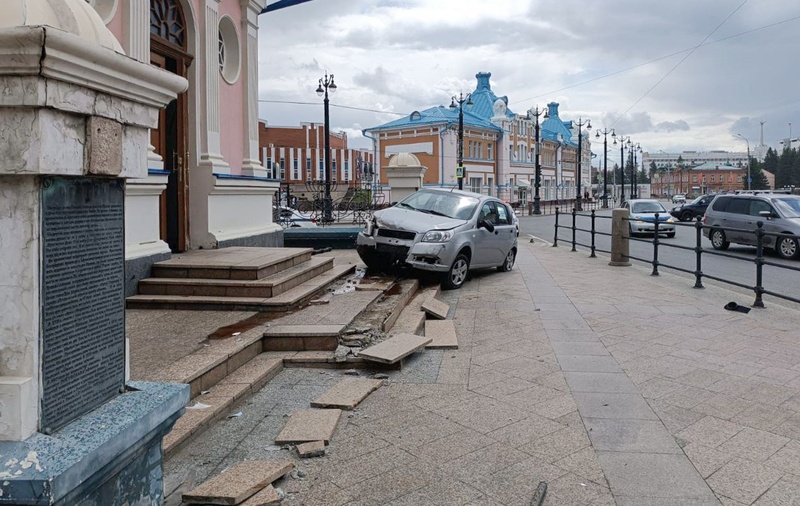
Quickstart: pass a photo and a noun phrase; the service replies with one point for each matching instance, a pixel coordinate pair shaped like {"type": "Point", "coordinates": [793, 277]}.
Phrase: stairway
{"type": "Point", "coordinates": [237, 279]}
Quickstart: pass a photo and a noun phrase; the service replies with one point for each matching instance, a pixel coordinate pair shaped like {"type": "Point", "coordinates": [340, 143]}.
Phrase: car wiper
{"type": "Point", "coordinates": [431, 211]}
{"type": "Point", "coordinates": [408, 206]}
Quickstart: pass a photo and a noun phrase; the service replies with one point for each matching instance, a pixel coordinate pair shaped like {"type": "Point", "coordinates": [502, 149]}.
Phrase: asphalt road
{"type": "Point", "coordinates": [741, 269]}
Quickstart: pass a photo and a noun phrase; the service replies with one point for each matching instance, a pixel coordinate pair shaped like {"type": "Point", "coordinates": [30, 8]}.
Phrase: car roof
{"type": "Point", "coordinates": [644, 200]}
{"type": "Point", "coordinates": [462, 192]}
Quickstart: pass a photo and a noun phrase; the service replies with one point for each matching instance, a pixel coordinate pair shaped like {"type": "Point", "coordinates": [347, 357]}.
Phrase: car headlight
{"type": "Point", "coordinates": [437, 236]}
{"type": "Point", "coordinates": [370, 227]}
{"type": "Point", "coordinates": [670, 219]}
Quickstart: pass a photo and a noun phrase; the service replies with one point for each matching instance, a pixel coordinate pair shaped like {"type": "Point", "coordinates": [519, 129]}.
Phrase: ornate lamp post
{"type": "Point", "coordinates": [538, 167]}
{"type": "Point", "coordinates": [749, 179]}
{"type": "Point", "coordinates": [580, 124]}
{"type": "Point", "coordinates": [326, 85]}
{"type": "Point", "coordinates": [605, 133]}
{"type": "Point", "coordinates": [460, 101]}
{"type": "Point", "coordinates": [635, 170]}
{"type": "Point", "coordinates": [622, 141]}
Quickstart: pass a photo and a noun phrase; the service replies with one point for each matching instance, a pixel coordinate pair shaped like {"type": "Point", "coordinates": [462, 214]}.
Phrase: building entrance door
{"type": "Point", "coordinates": [168, 51]}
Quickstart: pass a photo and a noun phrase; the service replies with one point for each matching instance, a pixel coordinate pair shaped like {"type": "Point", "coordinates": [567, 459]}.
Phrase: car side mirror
{"type": "Point", "coordinates": [485, 224]}
{"type": "Point", "coordinates": [766, 214]}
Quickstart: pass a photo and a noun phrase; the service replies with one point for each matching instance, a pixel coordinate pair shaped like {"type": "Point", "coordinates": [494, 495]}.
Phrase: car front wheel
{"type": "Point", "coordinates": [508, 264]}
{"type": "Point", "coordinates": [686, 216]}
{"type": "Point", "coordinates": [718, 240]}
{"type": "Point", "coordinates": [786, 248]}
{"type": "Point", "coordinates": [457, 275]}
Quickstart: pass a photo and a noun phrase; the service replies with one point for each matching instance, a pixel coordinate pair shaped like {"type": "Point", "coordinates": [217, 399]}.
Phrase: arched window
{"type": "Point", "coordinates": [167, 22]}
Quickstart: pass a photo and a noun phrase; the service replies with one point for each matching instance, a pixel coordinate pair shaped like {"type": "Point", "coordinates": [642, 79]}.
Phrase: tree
{"type": "Point", "coordinates": [760, 181]}
{"type": "Point", "coordinates": [653, 167]}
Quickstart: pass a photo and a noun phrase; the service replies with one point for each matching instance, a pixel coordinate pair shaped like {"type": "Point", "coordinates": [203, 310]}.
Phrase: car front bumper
{"type": "Point", "coordinates": [650, 227]}
{"type": "Point", "coordinates": [427, 256]}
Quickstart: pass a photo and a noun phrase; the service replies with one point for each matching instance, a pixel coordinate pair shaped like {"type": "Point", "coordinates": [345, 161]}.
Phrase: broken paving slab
{"type": "Point", "coordinates": [442, 333]}
{"type": "Point", "coordinates": [236, 484]}
{"type": "Point", "coordinates": [308, 425]}
{"type": "Point", "coordinates": [395, 348]}
{"type": "Point", "coordinates": [436, 308]}
{"type": "Point", "coordinates": [311, 449]}
{"type": "Point", "coordinates": [267, 497]}
{"type": "Point", "coordinates": [347, 393]}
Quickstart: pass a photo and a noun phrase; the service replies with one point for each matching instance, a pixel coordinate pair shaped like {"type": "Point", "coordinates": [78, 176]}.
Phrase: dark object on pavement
{"type": "Point", "coordinates": [538, 497]}
{"type": "Point", "coordinates": [732, 306]}
{"type": "Point", "coordinates": [321, 250]}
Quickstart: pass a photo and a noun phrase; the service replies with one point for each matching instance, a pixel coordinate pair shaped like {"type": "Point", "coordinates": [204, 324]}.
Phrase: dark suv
{"type": "Point", "coordinates": [734, 218]}
{"type": "Point", "coordinates": [693, 209]}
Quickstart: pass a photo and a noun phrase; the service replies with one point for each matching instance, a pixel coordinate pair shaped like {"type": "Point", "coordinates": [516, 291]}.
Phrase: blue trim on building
{"type": "Point", "coordinates": [158, 172]}
{"type": "Point", "coordinates": [281, 4]}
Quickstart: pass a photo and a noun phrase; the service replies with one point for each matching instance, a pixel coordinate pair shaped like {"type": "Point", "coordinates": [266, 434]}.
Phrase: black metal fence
{"type": "Point", "coordinates": [355, 207]}
{"type": "Point", "coordinates": [759, 261]}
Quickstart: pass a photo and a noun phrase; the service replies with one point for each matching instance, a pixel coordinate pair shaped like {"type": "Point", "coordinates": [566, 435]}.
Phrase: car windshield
{"type": "Point", "coordinates": [698, 199]}
{"type": "Point", "coordinates": [790, 208]}
{"type": "Point", "coordinates": [648, 207]}
{"type": "Point", "coordinates": [452, 205]}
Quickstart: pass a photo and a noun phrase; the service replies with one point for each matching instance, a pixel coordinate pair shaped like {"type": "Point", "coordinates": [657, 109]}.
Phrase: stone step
{"type": "Point", "coordinates": [227, 391]}
{"type": "Point", "coordinates": [442, 333]}
{"type": "Point", "coordinates": [231, 263]}
{"type": "Point", "coordinates": [283, 302]}
{"type": "Point", "coordinates": [412, 318]}
{"type": "Point", "coordinates": [326, 360]}
{"type": "Point", "coordinates": [238, 483]}
{"type": "Point", "coordinates": [269, 286]}
{"type": "Point", "coordinates": [347, 394]}
{"type": "Point", "coordinates": [395, 348]}
{"type": "Point", "coordinates": [308, 425]}
{"type": "Point", "coordinates": [302, 337]}
{"type": "Point", "coordinates": [436, 308]}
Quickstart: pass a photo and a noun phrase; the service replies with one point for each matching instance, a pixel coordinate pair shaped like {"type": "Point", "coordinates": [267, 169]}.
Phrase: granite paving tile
{"type": "Point", "coordinates": [573, 490]}
{"type": "Point", "coordinates": [753, 444]}
{"type": "Point", "coordinates": [485, 461]}
{"type": "Point", "coordinates": [786, 459]}
{"type": "Point", "coordinates": [647, 436]}
{"type": "Point", "coordinates": [608, 382]}
{"type": "Point", "coordinates": [706, 460]}
{"type": "Point", "coordinates": [610, 405]}
{"type": "Point", "coordinates": [588, 363]}
{"type": "Point", "coordinates": [583, 463]}
{"type": "Point", "coordinates": [517, 483]}
{"type": "Point", "coordinates": [580, 348]}
{"type": "Point", "coordinates": [784, 493]}
{"type": "Point", "coordinates": [652, 475]}
{"type": "Point", "coordinates": [524, 431]}
{"type": "Point", "coordinates": [743, 480]}
{"type": "Point", "coordinates": [710, 431]}
{"type": "Point", "coordinates": [557, 445]}
{"type": "Point", "coordinates": [761, 416]}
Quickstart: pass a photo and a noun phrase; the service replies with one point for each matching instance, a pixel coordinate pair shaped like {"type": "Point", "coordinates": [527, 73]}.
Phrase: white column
{"type": "Point", "coordinates": [210, 155]}
{"type": "Point", "coordinates": [250, 11]}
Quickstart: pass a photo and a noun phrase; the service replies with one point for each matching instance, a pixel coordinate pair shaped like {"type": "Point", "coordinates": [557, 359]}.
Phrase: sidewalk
{"type": "Point", "coordinates": [612, 386]}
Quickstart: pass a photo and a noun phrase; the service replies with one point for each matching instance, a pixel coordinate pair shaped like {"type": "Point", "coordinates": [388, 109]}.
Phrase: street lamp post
{"type": "Point", "coordinates": [749, 180]}
{"type": "Point", "coordinates": [605, 133]}
{"type": "Point", "coordinates": [326, 85]}
{"type": "Point", "coordinates": [635, 171]}
{"type": "Point", "coordinates": [622, 141]}
{"type": "Point", "coordinates": [580, 124]}
{"type": "Point", "coordinates": [460, 101]}
{"type": "Point", "coordinates": [538, 168]}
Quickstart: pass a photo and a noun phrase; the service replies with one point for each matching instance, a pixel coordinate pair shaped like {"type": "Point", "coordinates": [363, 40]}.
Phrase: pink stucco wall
{"type": "Point", "coordinates": [115, 25]}
{"type": "Point", "coordinates": [232, 98]}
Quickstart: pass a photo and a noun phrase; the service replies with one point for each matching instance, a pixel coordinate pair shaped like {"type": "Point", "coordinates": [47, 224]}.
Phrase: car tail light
{"type": "Point", "coordinates": [704, 219]}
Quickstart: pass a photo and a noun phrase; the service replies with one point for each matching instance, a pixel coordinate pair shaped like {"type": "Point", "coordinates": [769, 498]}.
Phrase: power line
{"type": "Point", "coordinates": [690, 53]}
{"type": "Point", "coordinates": [332, 105]}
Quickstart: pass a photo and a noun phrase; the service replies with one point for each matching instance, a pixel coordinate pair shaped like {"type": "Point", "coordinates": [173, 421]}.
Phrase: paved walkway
{"type": "Point", "coordinates": [612, 386]}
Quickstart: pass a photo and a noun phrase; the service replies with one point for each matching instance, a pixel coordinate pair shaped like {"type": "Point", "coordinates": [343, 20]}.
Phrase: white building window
{"type": "Point", "coordinates": [475, 184]}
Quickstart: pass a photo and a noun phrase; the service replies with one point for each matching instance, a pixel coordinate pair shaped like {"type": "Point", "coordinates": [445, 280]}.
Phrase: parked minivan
{"type": "Point", "coordinates": [734, 218]}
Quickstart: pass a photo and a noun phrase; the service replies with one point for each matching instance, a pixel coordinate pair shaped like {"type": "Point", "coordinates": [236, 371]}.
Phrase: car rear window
{"type": "Point", "coordinates": [721, 204]}
{"type": "Point", "coordinates": [739, 206]}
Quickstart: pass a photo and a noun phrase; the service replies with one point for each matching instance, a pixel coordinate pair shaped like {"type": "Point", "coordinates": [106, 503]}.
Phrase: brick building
{"type": "Point", "coordinates": [296, 156]}
{"type": "Point", "coordinates": [708, 177]}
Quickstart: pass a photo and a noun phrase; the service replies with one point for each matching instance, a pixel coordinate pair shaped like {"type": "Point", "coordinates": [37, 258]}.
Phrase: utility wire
{"type": "Point", "coordinates": [690, 53]}
{"type": "Point", "coordinates": [332, 105]}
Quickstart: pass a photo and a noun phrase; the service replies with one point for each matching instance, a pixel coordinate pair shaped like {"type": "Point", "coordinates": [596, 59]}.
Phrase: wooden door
{"type": "Point", "coordinates": [170, 141]}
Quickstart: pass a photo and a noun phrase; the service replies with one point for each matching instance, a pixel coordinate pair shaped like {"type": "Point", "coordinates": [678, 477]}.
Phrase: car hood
{"type": "Point", "coordinates": [662, 216]}
{"type": "Point", "coordinates": [397, 218]}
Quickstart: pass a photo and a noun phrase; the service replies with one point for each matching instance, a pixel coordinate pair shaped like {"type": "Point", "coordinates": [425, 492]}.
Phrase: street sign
{"type": "Point", "coordinates": [460, 172]}
{"type": "Point", "coordinates": [749, 179]}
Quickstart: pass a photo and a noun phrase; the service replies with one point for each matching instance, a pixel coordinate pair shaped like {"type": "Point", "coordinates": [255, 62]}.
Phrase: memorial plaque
{"type": "Point", "coordinates": [83, 303]}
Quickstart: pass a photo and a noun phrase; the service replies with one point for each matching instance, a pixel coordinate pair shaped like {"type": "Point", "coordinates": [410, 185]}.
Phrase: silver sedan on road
{"type": "Point", "coordinates": [442, 230]}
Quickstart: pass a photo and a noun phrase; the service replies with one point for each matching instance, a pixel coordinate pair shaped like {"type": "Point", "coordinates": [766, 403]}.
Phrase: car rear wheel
{"type": "Point", "coordinates": [457, 274]}
{"type": "Point", "coordinates": [670, 234]}
{"type": "Point", "coordinates": [787, 248]}
{"type": "Point", "coordinates": [686, 216]}
{"type": "Point", "coordinates": [508, 264]}
{"type": "Point", "coordinates": [718, 240]}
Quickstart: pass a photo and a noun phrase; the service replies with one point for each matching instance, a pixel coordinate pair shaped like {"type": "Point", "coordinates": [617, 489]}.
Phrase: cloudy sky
{"type": "Point", "coordinates": [674, 75]}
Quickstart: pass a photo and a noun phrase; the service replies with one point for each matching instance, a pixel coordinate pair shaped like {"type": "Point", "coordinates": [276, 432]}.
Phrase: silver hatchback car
{"type": "Point", "coordinates": [734, 218]}
{"type": "Point", "coordinates": [442, 230]}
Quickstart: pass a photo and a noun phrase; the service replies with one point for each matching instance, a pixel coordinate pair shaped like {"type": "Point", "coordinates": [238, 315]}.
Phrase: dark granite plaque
{"type": "Point", "coordinates": [83, 304]}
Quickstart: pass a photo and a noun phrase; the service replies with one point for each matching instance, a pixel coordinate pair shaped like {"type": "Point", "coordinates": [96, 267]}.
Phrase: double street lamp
{"type": "Point", "coordinates": [634, 148]}
{"type": "Point", "coordinates": [326, 85]}
{"type": "Point", "coordinates": [622, 141]}
{"type": "Point", "coordinates": [605, 133]}
{"type": "Point", "coordinates": [580, 124]}
{"type": "Point", "coordinates": [538, 168]}
{"type": "Point", "coordinates": [460, 101]}
{"type": "Point", "coordinates": [749, 179]}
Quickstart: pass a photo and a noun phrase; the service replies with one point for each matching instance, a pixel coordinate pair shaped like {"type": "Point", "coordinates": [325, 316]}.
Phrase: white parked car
{"type": "Point", "coordinates": [642, 217]}
{"type": "Point", "coordinates": [290, 218]}
{"type": "Point", "coordinates": [679, 199]}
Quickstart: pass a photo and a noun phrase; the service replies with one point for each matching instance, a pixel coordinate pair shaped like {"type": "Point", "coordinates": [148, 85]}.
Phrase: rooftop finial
{"type": "Point", "coordinates": [483, 80]}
